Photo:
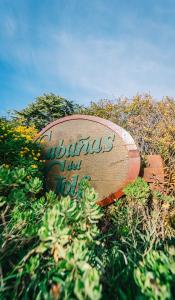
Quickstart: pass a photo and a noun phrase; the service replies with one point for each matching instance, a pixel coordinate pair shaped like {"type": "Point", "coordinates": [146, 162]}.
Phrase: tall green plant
{"type": "Point", "coordinates": [45, 109]}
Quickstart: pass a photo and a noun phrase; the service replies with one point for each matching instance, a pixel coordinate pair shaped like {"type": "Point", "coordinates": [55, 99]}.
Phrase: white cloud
{"type": "Point", "coordinates": [91, 67]}
{"type": "Point", "coordinates": [112, 67]}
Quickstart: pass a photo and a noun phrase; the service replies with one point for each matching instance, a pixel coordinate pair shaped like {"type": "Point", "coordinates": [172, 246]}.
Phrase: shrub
{"type": "Point", "coordinates": [151, 123]}
{"type": "Point", "coordinates": [46, 243]}
{"type": "Point", "coordinates": [54, 248]}
{"type": "Point", "coordinates": [155, 275]}
{"type": "Point", "coordinates": [44, 110]}
{"type": "Point", "coordinates": [17, 146]}
{"type": "Point", "coordinates": [136, 225]}
{"type": "Point", "coordinates": [57, 262]}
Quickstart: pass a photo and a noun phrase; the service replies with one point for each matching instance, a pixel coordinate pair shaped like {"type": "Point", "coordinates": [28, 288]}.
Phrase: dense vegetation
{"type": "Point", "coordinates": [54, 248]}
{"type": "Point", "coordinates": [45, 109]}
{"type": "Point", "coordinates": [151, 123]}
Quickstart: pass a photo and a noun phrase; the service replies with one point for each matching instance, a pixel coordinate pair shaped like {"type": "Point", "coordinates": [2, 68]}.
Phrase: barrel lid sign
{"type": "Point", "coordinates": [80, 146]}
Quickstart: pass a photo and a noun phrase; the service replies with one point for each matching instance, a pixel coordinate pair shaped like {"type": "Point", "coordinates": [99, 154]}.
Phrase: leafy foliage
{"type": "Point", "coordinates": [155, 275]}
{"type": "Point", "coordinates": [63, 240]}
{"type": "Point", "coordinates": [136, 226]}
{"type": "Point", "coordinates": [53, 248]}
{"type": "Point", "coordinates": [151, 123]}
{"type": "Point", "coordinates": [44, 240]}
{"type": "Point", "coordinates": [45, 109]}
{"type": "Point", "coordinates": [17, 147]}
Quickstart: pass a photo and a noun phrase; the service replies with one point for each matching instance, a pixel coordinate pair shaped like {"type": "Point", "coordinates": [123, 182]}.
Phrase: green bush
{"type": "Point", "coordinates": [52, 252]}
{"type": "Point", "coordinates": [155, 275]}
{"type": "Point", "coordinates": [63, 248]}
{"type": "Point", "coordinates": [136, 225]}
{"type": "Point", "coordinates": [46, 243]}
{"type": "Point", "coordinates": [44, 110]}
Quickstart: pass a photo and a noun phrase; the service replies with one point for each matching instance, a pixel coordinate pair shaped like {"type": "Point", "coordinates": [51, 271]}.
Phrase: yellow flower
{"type": "Point", "coordinates": [26, 132]}
{"type": "Point", "coordinates": [34, 166]}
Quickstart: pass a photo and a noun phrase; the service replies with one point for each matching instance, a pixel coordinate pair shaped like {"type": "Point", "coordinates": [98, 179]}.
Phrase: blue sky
{"type": "Point", "coordinates": [85, 50]}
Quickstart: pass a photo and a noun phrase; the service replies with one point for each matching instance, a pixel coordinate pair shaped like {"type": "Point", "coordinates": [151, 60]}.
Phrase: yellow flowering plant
{"type": "Point", "coordinates": [17, 147]}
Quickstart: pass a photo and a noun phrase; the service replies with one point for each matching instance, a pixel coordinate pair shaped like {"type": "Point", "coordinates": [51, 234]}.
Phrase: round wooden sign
{"type": "Point", "coordinates": [80, 146]}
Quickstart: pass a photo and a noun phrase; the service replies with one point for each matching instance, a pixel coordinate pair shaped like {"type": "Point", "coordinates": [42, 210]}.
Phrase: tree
{"type": "Point", "coordinates": [44, 110]}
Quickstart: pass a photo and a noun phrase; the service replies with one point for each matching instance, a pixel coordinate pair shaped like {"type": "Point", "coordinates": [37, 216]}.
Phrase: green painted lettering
{"type": "Point", "coordinates": [65, 187]}
{"type": "Point", "coordinates": [108, 143]}
{"type": "Point", "coordinates": [82, 146]}
{"type": "Point", "coordinates": [44, 136]}
{"type": "Point", "coordinates": [70, 151]}
{"type": "Point", "coordinates": [73, 166]}
{"type": "Point", "coordinates": [77, 166]}
{"type": "Point", "coordinates": [69, 167]}
{"type": "Point", "coordinates": [61, 150]}
{"type": "Point", "coordinates": [73, 192]}
{"type": "Point", "coordinates": [50, 154]}
{"type": "Point", "coordinates": [95, 146]}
